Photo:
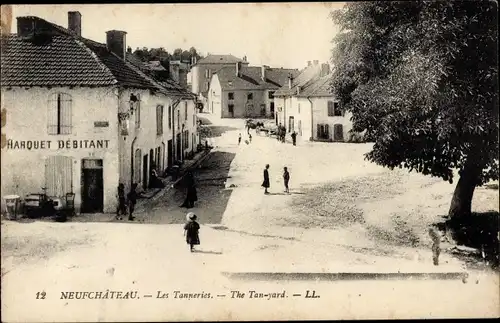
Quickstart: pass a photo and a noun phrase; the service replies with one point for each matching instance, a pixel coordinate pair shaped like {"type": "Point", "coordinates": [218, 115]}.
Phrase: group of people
{"type": "Point", "coordinates": [281, 135]}
{"type": "Point", "coordinates": [266, 183]}
{"type": "Point", "coordinates": [246, 141]}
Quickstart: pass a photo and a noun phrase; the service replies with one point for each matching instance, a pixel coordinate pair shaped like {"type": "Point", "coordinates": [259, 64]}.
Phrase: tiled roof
{"type": "Point", "coordinates": [66, 59]}
{"type": "Point", "coordinates": [250, 78]}
{"type": "Point", "coordinates": [306, 77]}
{"type": "Point", "coordinates": [220, 59]}
{"type": "Point", "coordinates": [319, 86]}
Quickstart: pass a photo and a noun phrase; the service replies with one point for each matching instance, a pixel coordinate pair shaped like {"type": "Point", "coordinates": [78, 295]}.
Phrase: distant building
{"type": "Point", "coordinates": [306, 105]}
{"type": "Point", "coordinates": [239, 91]}
{"type": "Point", "coordinates": [203, 69]}
{"type": "Point", "coordinates": [82, 117]}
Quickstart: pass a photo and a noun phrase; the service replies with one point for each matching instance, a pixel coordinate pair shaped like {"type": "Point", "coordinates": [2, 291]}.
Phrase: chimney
{"type": "Point", "coordinates": [290, 81]}
{"type": "Point", "coordinates": [238, 69]}
{"type": "Point", "coordinates": [325, 69]}
{"type": "Point", "coordinates": [316, 62]}
{"type": "Point", "coordinates": [116, 42]}
{"type": "Point", "coordinates": [75, 22]}
{"type": "Point", "coordinates": [308, 63]}
{"type": "Point", "coordinates": [245, 58]}
{"type": "Point", "coordinates": [129, 50]}
{"type": "Point", "coordinates": [26, 27]}
{"type": "Point", "coordinates": [263, 73]}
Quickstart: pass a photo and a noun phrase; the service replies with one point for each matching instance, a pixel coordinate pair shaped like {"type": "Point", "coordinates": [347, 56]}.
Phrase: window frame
{"type": "Point", "coordinates": [60, 105]}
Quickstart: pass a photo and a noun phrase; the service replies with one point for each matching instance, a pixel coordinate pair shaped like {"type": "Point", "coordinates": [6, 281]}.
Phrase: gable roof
{"type": "Point", "coordinates": [317, 87]}
{"type": "Point", "coordinates": [250, 78]}
{"type": "Point", "coordinates": [307, 77]}
{"type": "Point", "coordinates": [59, 57]}
{"type": "Point", "coordinates": [220, 59]}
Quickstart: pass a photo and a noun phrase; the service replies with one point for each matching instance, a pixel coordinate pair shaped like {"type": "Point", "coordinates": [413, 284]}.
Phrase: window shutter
{"type": "Point", "coordinates": [52, 114]}
{"type": "Point", "coordinates": [327, 134]}
{"type": "Point", "coordinates": [65, 113]}
{"type": "Point", "coordinates": [318, 134]}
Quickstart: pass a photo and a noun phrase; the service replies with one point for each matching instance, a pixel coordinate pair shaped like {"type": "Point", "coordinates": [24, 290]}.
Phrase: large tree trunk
{"type": "Point", "coordinates": [461, 203]}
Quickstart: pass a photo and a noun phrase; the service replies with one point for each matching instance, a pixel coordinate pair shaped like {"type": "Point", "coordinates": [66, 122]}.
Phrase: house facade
{"type": "Point", "coordinates": [240, 91]}
{"type": "Point", "coordinates": [306, 106]}
{"type": "Point", "coordinates": [81, 118]}
{"type": "Point", "coordinates": [202, 71]}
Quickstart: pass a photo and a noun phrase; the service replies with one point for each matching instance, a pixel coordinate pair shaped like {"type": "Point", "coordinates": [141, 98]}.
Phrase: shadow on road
{"type": "Point", "coordinates": [208, 252]}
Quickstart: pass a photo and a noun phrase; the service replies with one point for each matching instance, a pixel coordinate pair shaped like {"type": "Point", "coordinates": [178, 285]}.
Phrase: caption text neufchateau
{"type": "Point", "coordinates": [176, 294]}
{"type": "Point", "coordinates": [56, 144]}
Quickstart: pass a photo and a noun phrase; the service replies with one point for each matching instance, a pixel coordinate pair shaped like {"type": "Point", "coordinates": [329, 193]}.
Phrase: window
{"type": "Point", "coordinates": [291, 124]}
{"type": "Point", "coordinates": [330, 109]}
{"type": "Point", "coordinates": [337, 110]}
{"type": "Point", "coordinates": [334, 109]}
{"type": "Point", "coordinates": [300, 127]}
{"type": "Point", "coordinates": [185, 110]}
{"type": "Point", "coordinates": [59, 114]}
{"type": "Point", "coordinates": [207, 85]}
{"type": "Point", "coordinates": [338, 132]}
{"type": "Point", "coordinates": [250, 96]}
{"type": "Point", "coordinates": [194, 120]}
{"type": "Point", "coordinates": [230, 96]}
{"type": "Point", "coordinates": [271, 94]}
{"type": "Point", "coordinates": [298, 107]}
{"type": "Point", "coordinates": [170, 117]}
{"type": "Point", "coordinates": [322, 131]}
{"type": "Point", "coordinates": [178, 119]}
{"type": "Point", "coordinates": [159, 119]}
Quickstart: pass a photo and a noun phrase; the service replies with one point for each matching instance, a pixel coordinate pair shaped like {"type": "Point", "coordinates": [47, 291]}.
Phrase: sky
{"type": "Point", "coordinates": [275, 34]}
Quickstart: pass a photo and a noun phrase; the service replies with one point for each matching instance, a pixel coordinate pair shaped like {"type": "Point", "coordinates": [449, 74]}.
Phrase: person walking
{"type": "Point", "coordinates": [239, 139]}
{"type": "Point", "coordinates": [266, 183]}
{"type": "Point", "coordinates": [132, 200]}
{"type": "Point", "coordinates": [294, 138]}
{"type": "Point", "coordinates": [250, 137]}
{"type": "Point", "coordinates": [191, 194]}
{"type": "Point", "coordinates": [122, 205]}
{"type": "Point", "coordinates": [286, 178]}
{"type": "Point", "coordinates": [191, 231]}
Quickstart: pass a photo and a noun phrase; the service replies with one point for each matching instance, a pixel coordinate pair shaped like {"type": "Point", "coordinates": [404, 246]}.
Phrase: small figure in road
{"type": "Point", "coordinates": [191, 229]}
{"type": "Point", "coordinates": [191, 194]}
{"type": "Point", "coordinates": [132, 200]}
{"type": "Point", "coordinates": [122, 205]}
{"type": "Point", "coordinates": [266, 183]}
{"type": "Point", "coordinates": [250, 137]}
{"type": "Point", "coordinates": [436, 248]}
{"type": "Point", "coordinates": [286, 178]}
{"type": "Point", "coordinates": [239, 139]}
{"type": "Point", "coordinates": [294, 138]}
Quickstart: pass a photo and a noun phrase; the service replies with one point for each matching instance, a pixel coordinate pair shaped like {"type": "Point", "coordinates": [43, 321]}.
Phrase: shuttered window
{"type": "Point", "coordinates": [159, 119]}
{"type": "Point", "coordinates": [331, 109]}
{"type": "Point", "coordinates": [59, 175]}
{"type": "Point", "coordinates": [322, 131]}
{"type": "Point", "coordinates": [169, 117]}
{"type": "Point", "coordinates": [137, 111]}
{"type": "Point", "coordinates": [137, 166]}
{"type": "Point", "coordinates": [185, 110]}
{"type": "Point", "coordinates": [59, 114]}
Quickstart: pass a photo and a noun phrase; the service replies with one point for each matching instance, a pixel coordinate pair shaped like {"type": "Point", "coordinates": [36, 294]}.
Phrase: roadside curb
{"type": "Point", "coordinates": [345, 276]}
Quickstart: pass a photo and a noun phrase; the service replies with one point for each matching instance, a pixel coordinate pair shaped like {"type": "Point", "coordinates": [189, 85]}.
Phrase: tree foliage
{"type": "Point", "coordinates": [160, 54]}
{"type": "Point", "coordinates": [421, 78]}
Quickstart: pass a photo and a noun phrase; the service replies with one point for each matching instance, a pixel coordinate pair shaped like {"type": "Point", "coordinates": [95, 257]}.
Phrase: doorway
{"type": "Point", "coordinates": [145, 176]}
{"type": "Point", "coordinates": [178, 147]}
{"type": "Point", "coordinates": [92, 186]}
{"type": "Point", "coordinates": [170, 161]}
{"type": "Point", "coordinates": [338, 132]}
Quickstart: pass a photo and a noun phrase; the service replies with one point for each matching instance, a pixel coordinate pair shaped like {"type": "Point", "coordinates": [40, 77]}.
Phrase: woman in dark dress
{"type": "Point", "coordinates": [266, 183]}
{"type": "Point", "coordinates": [191, 194]}
{"type": "Point", "coordinates": [191, 229]}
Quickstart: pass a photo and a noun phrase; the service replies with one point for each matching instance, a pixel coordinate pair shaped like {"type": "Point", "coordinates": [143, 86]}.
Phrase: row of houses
{"type": "Point", "coordinates": [83, 116]}
{"type": "Point", "coordinates": [298, 100]}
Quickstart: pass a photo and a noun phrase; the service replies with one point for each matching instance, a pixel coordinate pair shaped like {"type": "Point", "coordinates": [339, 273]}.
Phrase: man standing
{"type": "Point", "coordinates": [294, 138]}
{"type": "Point", "coordinates": [132, 200]}
{"type": "Point", "coordinates": [266, 183]}
{"type": "Point", "coordinates": [286, 179]}
{"type": "Point", "coordinates": [239, 139]}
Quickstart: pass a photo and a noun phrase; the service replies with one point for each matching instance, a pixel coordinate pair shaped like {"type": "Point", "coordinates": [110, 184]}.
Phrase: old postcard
{"type": "Point", "coordinates": [249, 161]}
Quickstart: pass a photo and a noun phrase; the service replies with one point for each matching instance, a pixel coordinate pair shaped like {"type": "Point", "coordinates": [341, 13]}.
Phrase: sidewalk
{"type": "Point", "coordinates": [154, 194]}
